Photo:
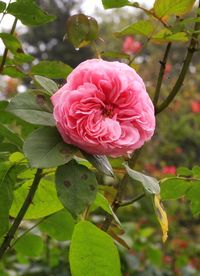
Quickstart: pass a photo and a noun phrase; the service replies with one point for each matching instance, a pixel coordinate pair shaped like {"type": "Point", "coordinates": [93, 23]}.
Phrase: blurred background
{"type": "Point", "coordinates": [175, 144]}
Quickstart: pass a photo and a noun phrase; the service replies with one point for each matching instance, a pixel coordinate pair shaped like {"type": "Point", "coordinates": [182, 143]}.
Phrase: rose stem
{"type": "Point", "coordinates": [10, 235]}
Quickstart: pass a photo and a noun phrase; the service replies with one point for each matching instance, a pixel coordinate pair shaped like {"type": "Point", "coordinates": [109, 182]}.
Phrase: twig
{"type": "Point", "coordinates": [131, 201]}
{"type": "Point", "coordinates": [10, 235]}
{"type": "Point", "coordinates": [5, 53]}
{"type": "Point", "coordinates": [5, 12]}
{"type": "Point", "coordinates": [161, 74]}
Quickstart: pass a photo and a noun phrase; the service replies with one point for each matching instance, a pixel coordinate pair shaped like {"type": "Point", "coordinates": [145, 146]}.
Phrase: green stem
{"type": "Point", "coordinates": [5, 53]}
{"type": "Point", "coordinates": [161, 74]}
{"type": "Point", "coordinates": [29, 198]}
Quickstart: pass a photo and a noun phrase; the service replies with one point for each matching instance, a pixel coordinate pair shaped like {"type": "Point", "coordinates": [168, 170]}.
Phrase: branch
{"type": "Point", "coordinates": [191, 49]}
{"type": "Point", "coordinates": [5, 53]}
{"type": "Point", "coordinates": [10, 235]}
{"type": "Point", "coordinates": [161, 74]}
{"type": "Point", "coordinates": [129, 202]}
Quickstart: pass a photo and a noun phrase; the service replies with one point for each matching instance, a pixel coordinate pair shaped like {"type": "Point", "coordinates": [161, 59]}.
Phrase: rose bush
{"type": "Point", "coordinates": [104, 109]}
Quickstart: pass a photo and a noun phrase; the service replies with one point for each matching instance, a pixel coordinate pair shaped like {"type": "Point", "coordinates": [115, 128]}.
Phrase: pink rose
{"type": "Point", "coordinates": [131, 46]}
{"type": "Point", "coordinates": [104, 109]}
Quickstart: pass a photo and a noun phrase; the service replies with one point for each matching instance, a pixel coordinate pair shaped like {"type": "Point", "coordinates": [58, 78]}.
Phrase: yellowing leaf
{"type": "Point", "coordinates": [161, 216]}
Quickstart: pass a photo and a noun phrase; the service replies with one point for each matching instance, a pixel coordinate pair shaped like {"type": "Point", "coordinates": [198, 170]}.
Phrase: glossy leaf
{"type": "Point", "coordinates": [142, 27]}
{"type": "Point", "coordinates": [29, 13]}
{"type": "Point", "coordinates": [47, 84]}
{"type": "Point", "coordinates": [76, 187]}
{"type": "Point", "coordinates": [174, 188]}
{"type": "Point", "coordinates": [45, 201]}
{"type": "Point", "coordinates": [11, 136]}
{"type": "Point", "coordinates": [92, 252]}
{"type": "Point", "coordinates": [11, 42]}
{"type": "Point", "coordinates": [45, 148]}
{"type": "Point", "coordinates": [33, 107]}
{"type": "Point", "coordinates": [59, 226]}
{"type": "Point", "coordinates": [100, 162]}
{"type": "Point", "coordinates": [172, 7]}
{"type": "Point", "coordinates": [149, 183]}
{"type": "Point", "coordinates": [51, 69]}
{"type": "Point", "coordinates": [109, 4]}
{"type": "Point", "coordinates": [29, 245]}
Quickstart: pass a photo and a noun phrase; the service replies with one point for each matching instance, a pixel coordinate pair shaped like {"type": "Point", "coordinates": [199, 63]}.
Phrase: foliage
{"type": "Point", "coordinates": [52, 192]}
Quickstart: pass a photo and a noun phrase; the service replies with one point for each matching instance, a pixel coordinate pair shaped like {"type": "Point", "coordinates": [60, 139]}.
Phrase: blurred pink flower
{"type": "Point", "coordinates": [104, 109]}
{"type": "Point", "coordinates": [168, 68]}
{"type": "Point", "coordinates": [195, 106]}
{"type": "Point", "coordinates": [169, 170]}
{"type": "Point", "coordinates": [130, 46]}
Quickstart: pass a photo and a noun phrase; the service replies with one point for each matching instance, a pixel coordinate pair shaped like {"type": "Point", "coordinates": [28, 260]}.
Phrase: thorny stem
{"type": "Point", "coordinates": [161, 74]}
{"type": "Point", "coordinates": [5, 53]}
{"type": "Point", "coordinates": [176, 88]}
{"type": "Point", "coordinates": [10, 235]}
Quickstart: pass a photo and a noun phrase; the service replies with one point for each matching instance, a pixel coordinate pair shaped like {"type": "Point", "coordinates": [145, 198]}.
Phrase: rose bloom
{"type": "Point", "coordinates": [130, 46]}
{"type": "Point", "coordinates": [104, 109]}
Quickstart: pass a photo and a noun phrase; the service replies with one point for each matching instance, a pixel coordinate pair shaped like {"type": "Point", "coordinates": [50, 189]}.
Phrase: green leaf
{"type": "Point", "coordinates": [45, 201]}
{"type": "Point", "coordinates": [102, 202]}
{"type": "Point", "coordinates": [11, 136]}
{"type": "Point", "coordinates": [29, 245]}
{"type": "Point", "coordinates": [193, 195]}
{"type": "Point", "coordinates": [13, 72]}
{"type": "Point", "coordinates": [142, 27]}
{"type": "Point", "coordinates": [7, 182]}
{"type": "Point", "coordinates": [174, 188]}
{"type": "Point", "coordinates": [76, 187]}
{"type": "Point", "coordinates": [93, 252]}
{"type": "Point", "coordinates": [11, 42]}
{"type": "Point", "coordinates": [29, 13]}
{"type": "Point", "coordinates": [183, 171]}
{"type": "Point", "coordinates": [100, 162]}
{"type": "Point", "coordinates": [47, 84]}
{"type": "Point", "coordinates": [2, 6]}
{"type": "Point", "coordinates": [81, 30]}
{"type": "Point", "coordinates": [196, 171]}
{"type": "Point", "coordinates": [21, 58]}
{"type": "Point", "coordinates": [165, 35]}
{"type": "Point", "coordinates": [109, 4]}
{"type": "Point", "coordinates": [150, 184]}
{"type": "Point", "coordinates": [172, 7]}
{"type": "Point", "coordinates": [51, 69]}
{"type": "Point", "coordinates": [59, 226]}
{"type": "Point", "coordinates": [33, 107]}
{"type": "Point", "coordinates": [45, 148]}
